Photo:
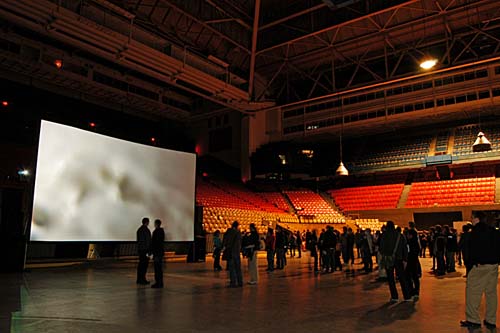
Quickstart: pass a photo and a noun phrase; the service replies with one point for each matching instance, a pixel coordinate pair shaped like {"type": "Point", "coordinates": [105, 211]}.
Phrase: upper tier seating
{"type": "Point", "coordinates": [397, 153]}
{"type": "Point", "coordinates": [367, 197]}
{"type": "Point", "coordinates": [457, 192]}
{"type": "Point", "coordinates": [313, 208]}
{"type": "Point", "coordinates": [466, 136]}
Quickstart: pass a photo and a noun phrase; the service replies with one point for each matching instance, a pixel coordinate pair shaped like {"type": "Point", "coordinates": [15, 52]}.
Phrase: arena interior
{"type": "Point", "coordinates": [299, 114]}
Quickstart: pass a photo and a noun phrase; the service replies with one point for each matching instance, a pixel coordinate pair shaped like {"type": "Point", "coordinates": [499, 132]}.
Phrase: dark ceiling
{"type": "Point", "coordinates": [300, 49]}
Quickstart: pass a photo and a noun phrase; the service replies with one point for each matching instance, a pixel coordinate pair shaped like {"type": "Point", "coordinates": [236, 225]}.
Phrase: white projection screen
{"type": "Point", "coordinates": [91, 187]}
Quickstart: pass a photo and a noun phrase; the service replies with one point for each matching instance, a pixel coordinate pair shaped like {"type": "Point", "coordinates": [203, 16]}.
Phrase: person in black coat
{"type": "Point", "coordinates": [413, 269]}
{"type": "Point", "coordinates": [483, 246]}
{"type": "Point", "coordinates": [393, 245]}
{"type": "Point", "coordinates": [143, 249]}
{"type": "Point", "coordinates": [158, 250]}
{"type": "Point", "coordinates": [328, 248]}
{"type": "Point", "coordinates": [464, 239]}
{"type": "Point", "coordinates": [280, 248]}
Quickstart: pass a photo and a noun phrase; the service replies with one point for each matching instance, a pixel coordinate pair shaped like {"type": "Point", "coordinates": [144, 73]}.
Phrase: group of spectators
{"type": "Point", "coordinates": [444, 247]}
{"type": "Point", "coordinates": [396, 251]}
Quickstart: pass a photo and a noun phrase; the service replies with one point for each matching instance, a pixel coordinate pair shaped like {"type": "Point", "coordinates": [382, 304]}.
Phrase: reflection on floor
{"type": "Point", "coordinates": [104, 298]}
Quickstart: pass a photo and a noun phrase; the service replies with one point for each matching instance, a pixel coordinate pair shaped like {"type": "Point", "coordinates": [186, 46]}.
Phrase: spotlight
{"type": "Point", "coordinates": [23, 172]}
{"type": "Point", "coordinates": [58, 63]}
{"type": "Point", "coordinates": [92, 125]}
{"type": "Point", "coordinates": [5, 103]}
{"type": "Point", "coordinates": [153, 140]}
{"type": "Point", "coordinates": [428, 63]}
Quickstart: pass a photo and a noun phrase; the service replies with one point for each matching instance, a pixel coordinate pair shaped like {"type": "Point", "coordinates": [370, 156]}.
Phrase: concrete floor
{"type": "Point", "coordinates": [103, 297]}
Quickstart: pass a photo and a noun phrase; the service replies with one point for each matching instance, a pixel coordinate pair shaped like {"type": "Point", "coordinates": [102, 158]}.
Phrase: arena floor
{"type": "Point", "coordinates": [103, 297]}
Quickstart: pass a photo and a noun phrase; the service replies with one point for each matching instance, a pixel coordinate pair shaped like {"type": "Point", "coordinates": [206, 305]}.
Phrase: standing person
{"type": "Point", "coordinates": [345, 248]}
{"type": "Point", "coordinates": [451, 250]}
{"type": "Point", "coordinates": [298, 237]}
{"type": "Point", "coordinates": [280, 248]}
{"type": "Point", "coordinates": [292, 243]}
{"type": "Point", "coordinates": [143, 249]}
{"type": "Point", "coordinates": [313, 247]}
{"type": "Point", "coordinates": [366, 247]}
{"type": "Point", "coordinates": [217, 251]}
{"type": "Point", "coordinates": [233, 249]}
{"type": "Point", "coordinates": [321, 249]}
{"type": "Point", "coordinates": [358, 237]}
{"type": "Point", "coordinates": [413, 269]}
{"type": "Point", "coordinates": [253, 246]}
{"type": "Point", "coordinates": [423, 244]}
{"type": "Point", "coordinates": [464, 250]}
{"type": "Point", "coordinates": [270, 249]}
{"type": "Point", "coordinates": [350, 245]}
{"type": "Point", "coordinates": [431, 240]}
{"type": "Point", "coordinates": [382, 273]}
{"type": "Point", "coordinates": [484, 246]}
{"type": "Point", "coordinates": [328, 246]}
{"type": "Point", "coordinates": [157, 248]}
{"type": "Point", "coordinates": [394, 252]}
{"type": "Point", "coordinates": [439, 250]}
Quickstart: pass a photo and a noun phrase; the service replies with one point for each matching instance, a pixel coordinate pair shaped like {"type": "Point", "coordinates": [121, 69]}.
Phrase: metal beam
{"type": "Point", "coordinates": [371, 35]}
{"type": "Point", "coordinates": [321, 99]}
{"type": "Point", "coordinates": [205, 25]}
{"type": "Point", "coordinates": [287, 18]}
{"type": "Point", "coordinates": [255, 32]}
{"type": "Point", "coordinates": [361, 18]}
{"type": "Point", "coordinates": [223, 11]}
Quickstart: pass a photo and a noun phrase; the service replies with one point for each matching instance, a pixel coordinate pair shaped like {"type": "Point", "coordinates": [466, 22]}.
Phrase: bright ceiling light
{"type": "Point", "coordinates": [428, 63]}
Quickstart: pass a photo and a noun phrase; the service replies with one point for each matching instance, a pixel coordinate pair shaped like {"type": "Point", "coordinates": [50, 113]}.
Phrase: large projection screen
{"type": "Point", "coordinates": [91, 187]}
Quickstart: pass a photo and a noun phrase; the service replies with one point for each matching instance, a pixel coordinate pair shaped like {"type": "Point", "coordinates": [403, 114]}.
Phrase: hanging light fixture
{"type": "Point", "coordinates": [341, 170]}
{"type": "Point", "coordinates": [481, 144]}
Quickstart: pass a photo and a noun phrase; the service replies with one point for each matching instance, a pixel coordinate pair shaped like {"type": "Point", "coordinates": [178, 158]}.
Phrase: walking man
{"type": "Point", "coordinates": [483, 246]}
{"type": "Point", "coordinates": [143, 249]}
{"type": "Point", "coordinates": [394, 251]}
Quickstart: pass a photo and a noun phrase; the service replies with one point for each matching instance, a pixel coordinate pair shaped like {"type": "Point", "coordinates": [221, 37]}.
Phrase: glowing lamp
{"type": "Point", "coordinates": [92, 125]}
{"type": "Point", "coordinates": [428, 63]}
{"type": "Point", "coordinates": [58, 63]}
{"type": "Point", "coordinates": [5, 103]}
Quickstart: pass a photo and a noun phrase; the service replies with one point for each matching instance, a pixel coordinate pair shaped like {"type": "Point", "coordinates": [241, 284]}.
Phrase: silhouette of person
{"type": "Point", "coordinates": [157, 248]}
{"type": "Point", "coordinates": [143, 249]}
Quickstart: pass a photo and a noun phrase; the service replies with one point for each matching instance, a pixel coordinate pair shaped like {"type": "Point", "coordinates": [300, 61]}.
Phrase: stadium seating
{"type": "Point", "coordinates": [312, 208]}
{"type": "Point", "coordinates": [367, 197]}
{"type": "Point", "coordinates": [398, 153]}
{"type": "Point", "coordinates": [372, 224]}
{"type": "Point", "coordinates": [466, 136]}
{"type": "Point", "coordinates": [221, 218]}
{"type": "Point", "coordinates": [224, 203]}
{"type": "Point", "coordinates": [277, 199]}
{"type": "Point", "coordinates": [457, 192]}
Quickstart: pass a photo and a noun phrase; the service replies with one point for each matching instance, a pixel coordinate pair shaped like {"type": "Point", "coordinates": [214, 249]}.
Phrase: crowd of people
{"type": "Point", "coordinates": [395, 250]}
